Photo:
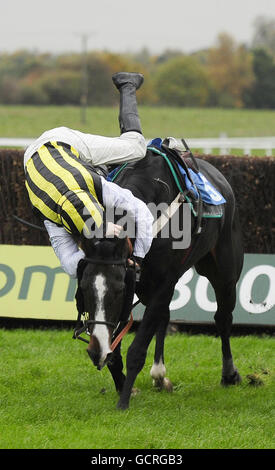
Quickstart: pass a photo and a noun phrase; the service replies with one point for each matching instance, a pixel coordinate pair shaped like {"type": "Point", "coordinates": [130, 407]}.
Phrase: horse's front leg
{"type": "Point", "coordinates": [116, 367]}
{"type": "Point", "coordinates": [137, 352]}
{"type": "Point", "coordinates": [158, 369]}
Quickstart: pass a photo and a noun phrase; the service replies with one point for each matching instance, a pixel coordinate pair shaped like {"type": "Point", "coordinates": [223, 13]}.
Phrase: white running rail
{"type": "Point", "coordinates": [227, 144]}
{"type": "Point", "coordinates": [206, 145]}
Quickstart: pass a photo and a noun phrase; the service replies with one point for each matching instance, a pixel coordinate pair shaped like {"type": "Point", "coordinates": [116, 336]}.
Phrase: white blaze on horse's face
{"type": "Point", "coordinates": [101, 331]}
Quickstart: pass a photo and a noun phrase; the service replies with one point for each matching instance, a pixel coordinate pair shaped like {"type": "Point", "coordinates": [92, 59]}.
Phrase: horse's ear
{"type": "Point", "coordinates": [121, 247]}
{"type": "Point", "coordinates": [88, 245]}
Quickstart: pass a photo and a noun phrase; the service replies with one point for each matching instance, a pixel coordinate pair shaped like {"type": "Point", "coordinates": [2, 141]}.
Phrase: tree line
{"type": "Point", "coordinates": [228, 74]}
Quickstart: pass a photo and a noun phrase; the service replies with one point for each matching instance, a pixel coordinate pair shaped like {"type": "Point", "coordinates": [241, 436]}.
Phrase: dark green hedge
{"type": "Point", "coordinates": [14, 200]}
{"type": "Point", "coordinates": [252, 179]}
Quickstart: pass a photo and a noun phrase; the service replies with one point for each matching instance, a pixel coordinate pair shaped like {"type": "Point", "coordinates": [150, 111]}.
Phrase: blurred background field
{"type": "Point", "coordinates": [31, 121]}
{"type": "Point", "coordinates": [225, 87]}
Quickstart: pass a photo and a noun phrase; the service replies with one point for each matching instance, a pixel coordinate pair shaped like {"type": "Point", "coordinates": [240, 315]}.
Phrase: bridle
{"type": "Point", "coordinates": [118, 332]}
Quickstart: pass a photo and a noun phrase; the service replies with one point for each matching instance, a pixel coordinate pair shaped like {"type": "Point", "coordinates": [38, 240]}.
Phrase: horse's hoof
{"type": "Point", "coordinates": [233, 379]}
{"type": "Point", "coordinates": [122, 405]}
{"type": "Point", "coordinates": [163, 383]}
{"type": "Point", "coordinates": [167, 385]}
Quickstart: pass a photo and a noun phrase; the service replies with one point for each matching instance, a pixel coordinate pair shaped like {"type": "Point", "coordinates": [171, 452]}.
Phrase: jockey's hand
{"type": "Point", "coordinates": [113, 230]}
{"type": "Point", "coordinates": [138, 260]}
{"type": "Point", "coordinates": [135, 262]}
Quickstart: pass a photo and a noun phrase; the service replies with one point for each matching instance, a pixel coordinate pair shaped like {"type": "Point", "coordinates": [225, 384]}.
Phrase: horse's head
{"type": "Point", "coordinates": [103, 292]}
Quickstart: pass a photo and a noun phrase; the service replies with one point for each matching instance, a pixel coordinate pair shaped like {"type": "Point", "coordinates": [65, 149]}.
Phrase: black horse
{"type": "Point", "coordinates": [215, 251]}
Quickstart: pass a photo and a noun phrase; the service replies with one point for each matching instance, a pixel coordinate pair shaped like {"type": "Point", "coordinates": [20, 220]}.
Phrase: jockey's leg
{"type": "Point", "coordinates": [127, 84]}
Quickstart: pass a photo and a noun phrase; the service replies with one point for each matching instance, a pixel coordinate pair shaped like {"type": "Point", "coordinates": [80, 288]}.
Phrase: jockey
{"type": "Point", "coordinates": [68, 193]}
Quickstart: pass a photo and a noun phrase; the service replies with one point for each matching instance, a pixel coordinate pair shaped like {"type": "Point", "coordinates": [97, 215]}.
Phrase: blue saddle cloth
{"type": "Point", "coordinates": [208, 193]}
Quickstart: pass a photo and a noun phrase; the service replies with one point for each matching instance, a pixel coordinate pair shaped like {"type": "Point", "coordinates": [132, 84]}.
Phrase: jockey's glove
{"type": "Point", "coordinates": [136, 262]}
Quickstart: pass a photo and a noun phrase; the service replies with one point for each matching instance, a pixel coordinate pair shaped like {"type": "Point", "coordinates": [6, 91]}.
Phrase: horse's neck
{"type": "Point", "coordinates": [86, 246]}
{"type": "Point", "coordinates": [150, 180]}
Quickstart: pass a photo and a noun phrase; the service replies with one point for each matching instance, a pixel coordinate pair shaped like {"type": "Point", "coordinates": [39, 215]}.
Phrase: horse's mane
{"type": "Point", "coordinates": [104, 248]}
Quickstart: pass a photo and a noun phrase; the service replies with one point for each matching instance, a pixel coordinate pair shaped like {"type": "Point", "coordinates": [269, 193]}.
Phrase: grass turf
{"type": "Point", "coordinates": [52, 397]}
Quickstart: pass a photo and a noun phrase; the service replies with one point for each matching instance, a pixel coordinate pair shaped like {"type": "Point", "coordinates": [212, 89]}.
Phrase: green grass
{"type": "Point", "coordinates": [51, 396]}
{"type": "Point", "coordinates": [31, 121]}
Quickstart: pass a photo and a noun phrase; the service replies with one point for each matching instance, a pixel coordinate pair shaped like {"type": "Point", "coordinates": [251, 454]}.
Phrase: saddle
{"type": "Point", "coordinates": [186, 156]}
{"type": "Point", "coordinates": [204, 200]}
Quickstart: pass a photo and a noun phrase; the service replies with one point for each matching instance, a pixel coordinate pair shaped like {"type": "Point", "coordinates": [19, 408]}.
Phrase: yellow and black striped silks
{"type": "Point", "coordinates": [62, 188]}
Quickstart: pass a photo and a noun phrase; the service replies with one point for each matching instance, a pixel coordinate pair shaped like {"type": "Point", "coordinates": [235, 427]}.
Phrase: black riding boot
{"type": "Point", "coordinates": [127, 83]}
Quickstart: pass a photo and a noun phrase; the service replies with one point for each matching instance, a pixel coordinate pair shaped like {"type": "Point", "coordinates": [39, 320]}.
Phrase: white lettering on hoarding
{"type": "Point", "coordinates": [202, 288]}
{"type": "Point", "coordinates": [245, 293]}
{"type": "Point", "coordinates": [201, 295]}
{"type": "Point", "coordinates": [183, 291]}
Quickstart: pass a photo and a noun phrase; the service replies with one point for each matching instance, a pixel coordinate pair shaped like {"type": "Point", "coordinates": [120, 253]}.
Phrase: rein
{"type": "Point", "coordinates": [125, 330]}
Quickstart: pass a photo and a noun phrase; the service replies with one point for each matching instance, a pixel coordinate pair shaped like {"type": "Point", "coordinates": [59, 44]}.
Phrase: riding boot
{"type": "Point", "coordinates": [127, 83]}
